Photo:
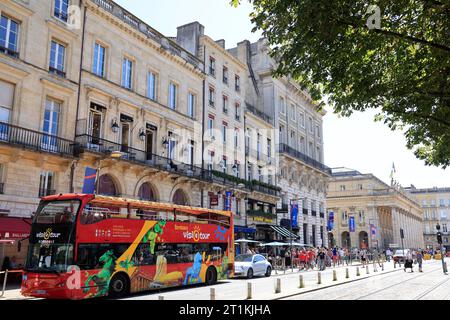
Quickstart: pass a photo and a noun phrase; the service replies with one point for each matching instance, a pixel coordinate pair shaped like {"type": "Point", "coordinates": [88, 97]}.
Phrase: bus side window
{"type": "Point", "coordinates": [143, 257]}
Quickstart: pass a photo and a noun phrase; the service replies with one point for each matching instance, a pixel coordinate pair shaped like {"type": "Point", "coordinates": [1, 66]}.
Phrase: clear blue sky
{"type": "Point", "coordinates": [356, 142]}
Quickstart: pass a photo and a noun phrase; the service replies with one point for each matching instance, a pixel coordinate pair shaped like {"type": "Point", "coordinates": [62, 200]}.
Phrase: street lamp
{"type": "Point", "coordinates": [113, 155]}
{"type": "Point", "coordinates": [439, 239]}
{"type": "Point", "coordinates": [290, 228]}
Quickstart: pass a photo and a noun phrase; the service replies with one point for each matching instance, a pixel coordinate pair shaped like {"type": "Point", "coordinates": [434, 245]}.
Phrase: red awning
{"type": "Point", "coordinates": [14, 228]}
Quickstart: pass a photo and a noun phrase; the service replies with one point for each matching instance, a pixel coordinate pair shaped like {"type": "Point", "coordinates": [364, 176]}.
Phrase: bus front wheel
{"type": "Point", "coordinates": [211, 276]}
{"type": "Point", "coordinates": [119, 286]}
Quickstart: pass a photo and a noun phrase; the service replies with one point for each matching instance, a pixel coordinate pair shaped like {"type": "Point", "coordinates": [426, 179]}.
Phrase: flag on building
{"type": "Point", "coordinates": [89, 180]}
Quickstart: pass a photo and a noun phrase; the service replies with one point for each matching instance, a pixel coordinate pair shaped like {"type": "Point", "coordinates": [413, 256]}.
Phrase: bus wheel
{"type": "Point", "coordinates": [211, 276]}
{"type": "Point", "coordinates": [119, 286]}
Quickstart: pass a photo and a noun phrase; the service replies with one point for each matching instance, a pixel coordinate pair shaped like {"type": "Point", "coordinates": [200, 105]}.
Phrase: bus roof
{"type": "Point", "coordinates": [124, 202]}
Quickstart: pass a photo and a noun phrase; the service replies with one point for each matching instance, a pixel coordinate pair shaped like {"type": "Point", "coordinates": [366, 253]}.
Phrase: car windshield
{"type": "Point", "coordinates": [400, 252]}
{"type": "Point", "coordinates": [244, 258]}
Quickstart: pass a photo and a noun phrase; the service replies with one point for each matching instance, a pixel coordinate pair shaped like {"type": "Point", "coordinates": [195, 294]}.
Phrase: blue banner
{"type": "Point", "coordinates": [294, 215]}
{"type": "Point", "coordinates": [330, 221]}
{"type": "Point", "coordinates": [351, 224]}
{"type": "Point", "coordinates": [89, 180]}
{"type": "Point", "coordinates": [228, 201]}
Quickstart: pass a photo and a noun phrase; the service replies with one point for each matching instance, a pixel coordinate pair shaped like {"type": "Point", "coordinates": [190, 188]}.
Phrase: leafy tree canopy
{"type": "Point", "coordinates": [399, 63]}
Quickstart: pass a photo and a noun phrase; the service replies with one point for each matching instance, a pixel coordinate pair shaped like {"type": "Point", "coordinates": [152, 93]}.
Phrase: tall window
{"type": "Point", "coordinates": [172, 148]}
{"type": "Point", "coordinates": [269, 148]}
{"type": "Point", "coordinates": [190, 154]}
{"type": "Point", "coordinates": [292, 112]}
{"type": "Point", "coordinates": [191, 105]}
{"type": "Point", "coordinates": [249, 172]}
{"type": "Point", "coordinates": [151, 86]}
{"type": "Point", "coordinates": [46, 183]}
{"type": "Point", "coordinates": [172, 96]}
{"type": "Point", "coordinates": [225, 104]}
{"type": "Point", "coordinates": [237, 83]}
{"type": "Point", "coordinates": [212, 66]}
{"type": "Point", "coordinates": [310, 121]}
{"type": "Point", "coordinates": [9, 36]}
{"type": "Point", "coordinates": [302, 144]}
{"type": "Point", "coordinates": [57, 58]}
{"type": "Point", "coordinates": [236, 138]}
{"type": "Point", "coordinates": [61, 9]}
{"type": "Point", "coordinates": [225, 75]}
{"type": "Point", "coordinates": [2, 169]}
{"type": "Point", "coordinates": [210, 160]}
{"type": "Point", "coordinates": [302, 119]}
{"type": "Point", "coordinates": [51, 123]}
{"type": "Point", "coordinates": [282, 106]}
{"type": "Point", "coordinates": [237, 111]}
{"type": "Point", "coordinates": [211, 125]}
{"type": "Point", "coordinates": [212, 96]}
{"type": "Point", "coordinates": [260, 175]}
{"type": "Point", "coordinates": [6, 104]}
{"type": "Point", "coordinates": [258, 146]}
{"type": "Point", "coordinates": [282, 139]}
{"type": "Point", "coordinates": [127, 73]}
{"type": "Point", "coordinates": [224, 132]}
{"type": "Point", "coordinates": [98, 67]}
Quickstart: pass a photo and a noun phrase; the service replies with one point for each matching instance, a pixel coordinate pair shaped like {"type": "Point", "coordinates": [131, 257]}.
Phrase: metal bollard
{"type": "Point", "coordinates": [160, 298]}
{"type": "Point", "coordinates": [319, 278]}
{"type": "Point", "coordinates": [302, 282]}
{"type": "Point", "coordinates": [357, 272]}
{"type": "Point", "coordinates": [367, 269]}
{"type": "Point", "coordinates": [278, 286]}
{"type": "Point", "coordinates": [334, 275]}
{"type": "Point", "coordinates": [212, 294]}
{"type": "Point", "coordinates": [249, 290]}
{"type": "Point", "coordinates": [382, 267]}
{"type": "Point", "coordinates": [347, 275]}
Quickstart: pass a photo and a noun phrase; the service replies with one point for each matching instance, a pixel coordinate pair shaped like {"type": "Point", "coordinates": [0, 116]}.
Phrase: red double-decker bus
{"type": "Point", "coordinates": [84, 246]}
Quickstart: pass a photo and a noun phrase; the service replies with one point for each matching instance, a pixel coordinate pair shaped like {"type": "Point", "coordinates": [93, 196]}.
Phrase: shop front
{"type": "Point", "coordinates": [14, 233]}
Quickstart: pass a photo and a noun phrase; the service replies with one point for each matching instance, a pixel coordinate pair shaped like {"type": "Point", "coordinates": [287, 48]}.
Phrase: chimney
{"type": "Point", "coordinates": [221, 43]}
{"type": "Point", "coordinates": [243, 51]}
{"type": "Point", "coordinates": [188, 36]}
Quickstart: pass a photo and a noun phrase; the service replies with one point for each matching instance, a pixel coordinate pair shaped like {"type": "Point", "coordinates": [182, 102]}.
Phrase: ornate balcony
{"type": "Point", "coordinates": [284, 148]}
{"type": "Point", "coordinates": [105, 147]}
{"type": "Point", "coordinates": [36, 141]}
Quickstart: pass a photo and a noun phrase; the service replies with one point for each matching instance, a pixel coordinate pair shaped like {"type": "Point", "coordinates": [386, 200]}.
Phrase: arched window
{"type": "Point", "coordinates": [146, 192]}
{"type": "Point", "coordinates": [107, 186]}
{"type": "Point", "coordinates": [180, 198]}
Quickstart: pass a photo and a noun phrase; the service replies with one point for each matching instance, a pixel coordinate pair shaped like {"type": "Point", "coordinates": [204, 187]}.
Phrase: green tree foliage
{"type": "Point", "coordinates": [400, 63]}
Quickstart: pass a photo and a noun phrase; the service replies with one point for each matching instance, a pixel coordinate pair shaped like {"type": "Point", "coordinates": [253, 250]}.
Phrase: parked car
{"type": "Point", "coordinates": [249, 265]}
{"type": "Point", "coordinates": [400, 255]}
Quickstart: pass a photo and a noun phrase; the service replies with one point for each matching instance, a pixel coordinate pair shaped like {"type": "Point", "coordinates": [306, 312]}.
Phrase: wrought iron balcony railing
{"type": "Point", "coordinates": [34, 140]}
{"type": "Point", "coordinates": [284, 148]}
{"type": "Point", "coordinates": [259, 113]}
{"type": "Point", "coordinates": [106, 147]}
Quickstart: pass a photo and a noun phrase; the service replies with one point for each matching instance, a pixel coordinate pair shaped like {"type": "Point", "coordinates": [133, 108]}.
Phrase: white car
{"type": "Point", "coordinates": [249, 265]}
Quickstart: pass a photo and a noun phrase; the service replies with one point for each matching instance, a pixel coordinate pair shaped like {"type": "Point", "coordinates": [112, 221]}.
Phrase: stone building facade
{"type": "Point", "coordinates": [297, 125]}
{"type": "Point", "coordinates": [369, 213]}
{"type": "Point", "coordinates": [435, 203]}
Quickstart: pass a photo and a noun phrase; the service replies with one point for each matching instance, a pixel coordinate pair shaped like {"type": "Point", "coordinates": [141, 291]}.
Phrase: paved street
{"type": "Point", "coordinates": [430, 285]}
{"type": "Point", "coordinates": [392, 283]}
{"type": "Point", "coordinates": [264, 288]}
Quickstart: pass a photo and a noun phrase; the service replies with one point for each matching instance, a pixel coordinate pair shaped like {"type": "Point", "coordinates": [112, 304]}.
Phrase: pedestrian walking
{"type": "Point", "coordinates": [388, 255]}
{"type": "Point", "coordinates": [321, 256]}
{"type": "Point", "coordinates": [376, 257]}
{"type": "Point", "coordinates": [419, 259]}
{"type": "Point", "coordinates": [409, 262]}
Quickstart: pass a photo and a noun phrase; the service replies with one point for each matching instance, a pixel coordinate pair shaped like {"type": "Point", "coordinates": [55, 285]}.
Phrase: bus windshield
{"type": "Point", "coordinates": [57, 212]}
{"type": "Point", "coordinates": [49, 258]}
